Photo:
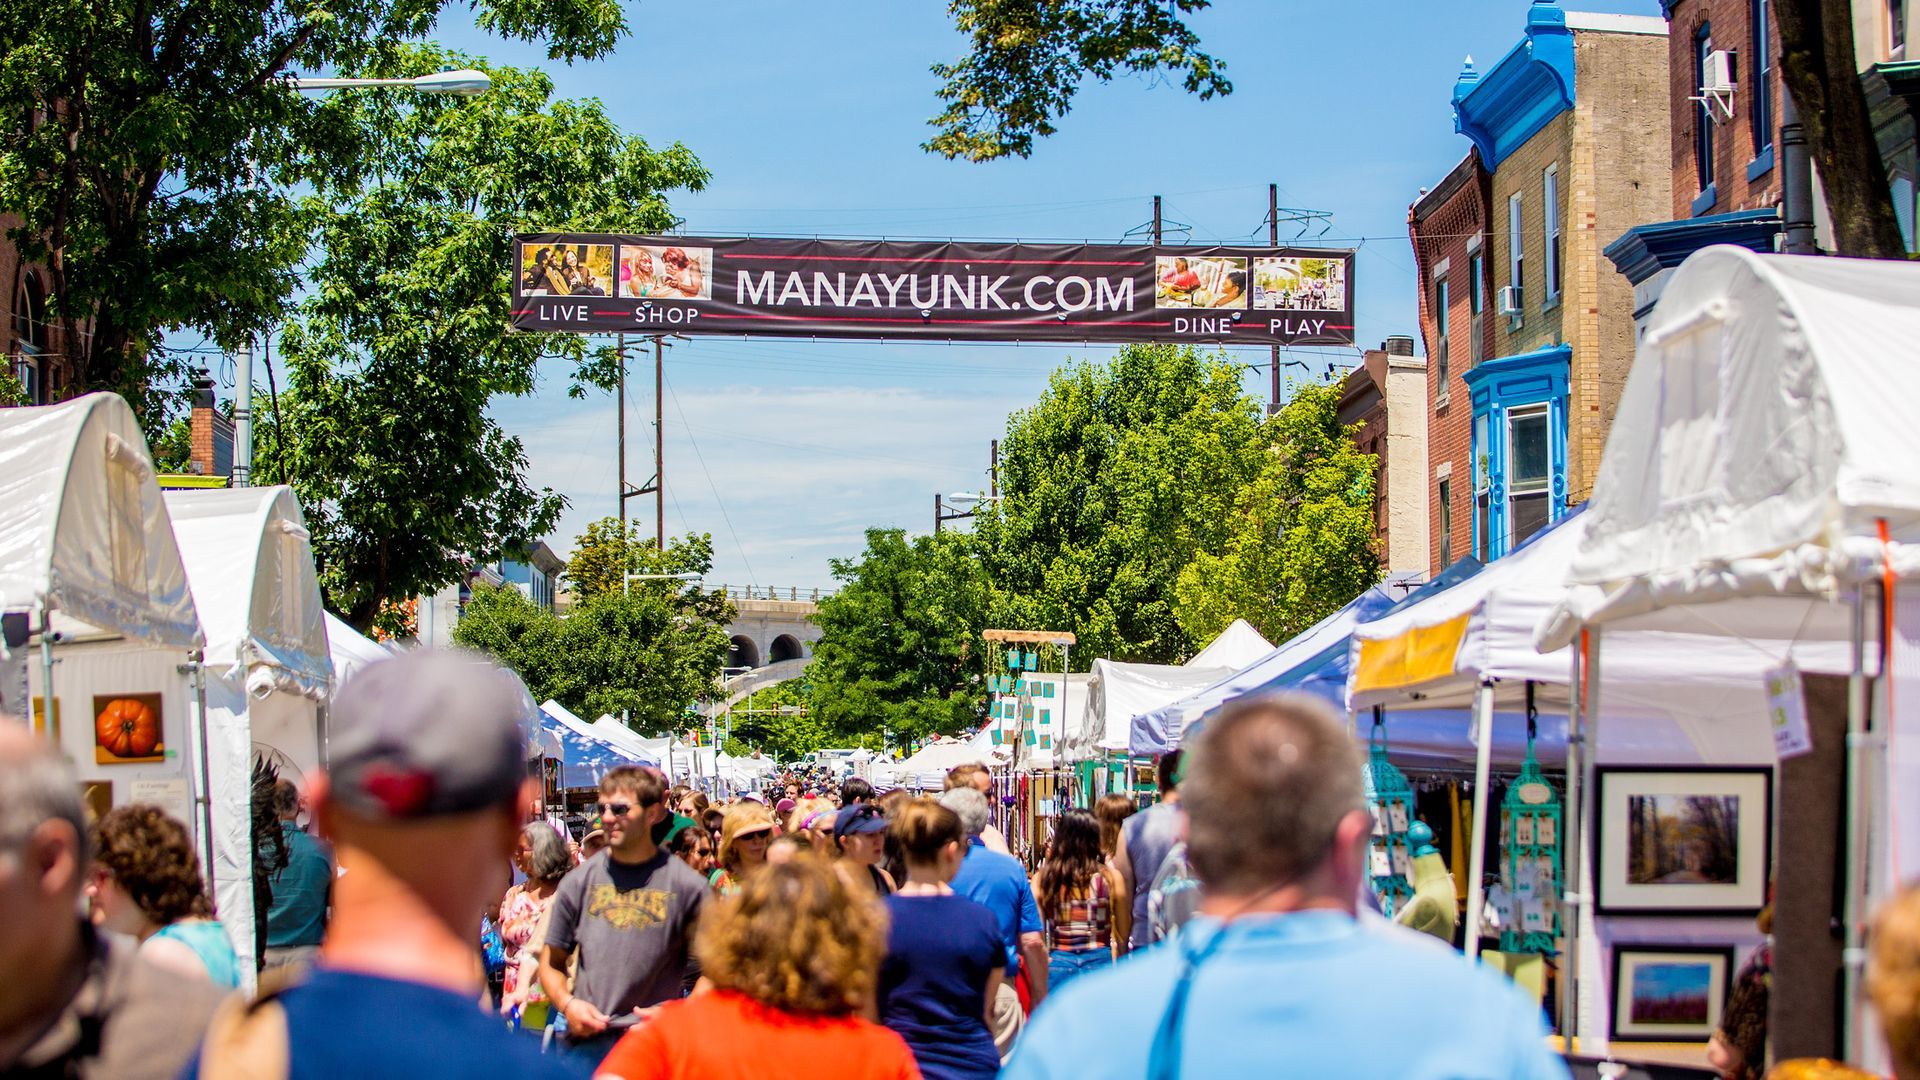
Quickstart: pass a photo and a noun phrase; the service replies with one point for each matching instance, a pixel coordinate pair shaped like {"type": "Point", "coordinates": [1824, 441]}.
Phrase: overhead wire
{"type": "Point", "coordinates": [753, 578]}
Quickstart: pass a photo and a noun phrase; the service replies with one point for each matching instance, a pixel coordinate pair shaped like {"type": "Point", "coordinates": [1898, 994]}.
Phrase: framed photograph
{"type": "Point", "coordinates": [1669, 993]}
{"type": "Point", "coordinates": [1543, 832]}
{"type": "Point", "coordinates": [1692, 841]}
{"type": "Point", "coordinates": [1523, 830]}
{"type": "Point", "coordinates": [128, 728]}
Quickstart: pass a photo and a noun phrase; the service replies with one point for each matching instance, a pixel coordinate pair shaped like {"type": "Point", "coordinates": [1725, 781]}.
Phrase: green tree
{"type": "Point", "coordinates": [899, 641]}
{"type": "Point", "coordinates": [1112, 484]}
{"type": "Point", "coordinates": [401, 345]}
{"type": "Point", "coordinates": [605, 554]}
{"type": "Point", "coordinates": [650, 654]}
{"type": "Point", "coordinates": [779, 720]}
{"type": "Point", "coordinates": [1028, 58]}
{"type": "Point", "coordinates": [1302, 541]}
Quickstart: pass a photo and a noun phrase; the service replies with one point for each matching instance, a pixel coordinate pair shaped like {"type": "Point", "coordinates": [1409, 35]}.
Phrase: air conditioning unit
{"type": "Point", "coordinates": [1718, 82]}
{"type": "Point", "coordinates": [1508, 302]}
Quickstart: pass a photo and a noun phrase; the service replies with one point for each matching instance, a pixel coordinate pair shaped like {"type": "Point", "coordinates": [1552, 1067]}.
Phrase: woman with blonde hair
{"type": "Point", "coordinates": [745, 832]}
{"type": "Point", "coordinates": [945, 957]}
{"type": "Point", "coordinates": [793, 960]}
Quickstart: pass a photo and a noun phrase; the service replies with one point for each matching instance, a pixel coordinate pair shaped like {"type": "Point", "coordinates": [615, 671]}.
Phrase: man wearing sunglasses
{"type": "Point", "coordinates": [630, 913]}
{"type": "Point", "coordinates": [1280, 973]}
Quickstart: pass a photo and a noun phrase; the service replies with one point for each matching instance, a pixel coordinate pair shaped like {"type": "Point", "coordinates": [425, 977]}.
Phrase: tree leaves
{"type": "Point", "coordinates": [1027, 59]}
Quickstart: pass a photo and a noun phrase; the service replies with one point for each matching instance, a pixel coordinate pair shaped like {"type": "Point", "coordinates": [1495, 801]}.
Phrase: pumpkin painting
{"type": "Point", "coordinates": [127, 729]}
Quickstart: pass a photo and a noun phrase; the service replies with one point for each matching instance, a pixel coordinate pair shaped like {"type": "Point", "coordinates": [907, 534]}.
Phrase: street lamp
{"type": "Point", "coordinates": [465, 82]}
{"type": "Point", "coordinates": [960, 498]}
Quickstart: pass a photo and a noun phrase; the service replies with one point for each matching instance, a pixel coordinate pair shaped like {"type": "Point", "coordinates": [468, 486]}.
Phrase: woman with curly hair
{"type": "Point", "coordinates": [146, 883]}
{"type": "Point", "coordinates": [793, 958]}
{"type": "Point", "coordinates": [1083, 900]}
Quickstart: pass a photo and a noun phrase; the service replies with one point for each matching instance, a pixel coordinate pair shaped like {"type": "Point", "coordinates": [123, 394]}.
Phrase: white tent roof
{"type": "Point", "coordinates": [1158, 730]}
{"type": "Point", "coordinates": [85, 530]}
{"type": "Point", "coordinates": [1764, 431]}
{"type": "Point", "coordinates": [250, 561]}
{"type": "Point", "coordinates": [1117, 692]}
{"type": "Point", "coordinates": [349, 649]}
{"type": "Point", "coordinates": [1236, 647]}
{"type": "Point", "coordinates": [933, 761]}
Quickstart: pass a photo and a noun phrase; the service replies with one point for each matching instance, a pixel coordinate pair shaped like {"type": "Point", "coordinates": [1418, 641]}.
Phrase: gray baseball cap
{"type": "Point", "coordinates": [426, 734]}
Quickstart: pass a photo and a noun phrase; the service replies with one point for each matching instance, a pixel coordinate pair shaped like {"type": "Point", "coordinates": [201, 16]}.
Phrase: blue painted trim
{"type": "Point", "coordinates": [1499, 386]}
{"type": "Point", "coordinates": [1522, 93]}
{"type": "Point", "coordinates": [1761, 165]}
{"type": "Point", "coordinates": [1704, 201]}
{"type": "Point", "coordinates": [1645, 250]}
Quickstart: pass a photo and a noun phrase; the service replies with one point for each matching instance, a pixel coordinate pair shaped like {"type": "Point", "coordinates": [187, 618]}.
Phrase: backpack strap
{"type": "Point", "coordinates": [247, 1039]}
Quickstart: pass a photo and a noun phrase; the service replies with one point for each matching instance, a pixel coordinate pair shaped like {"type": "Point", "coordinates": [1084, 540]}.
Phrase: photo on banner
{"type": "Point", "coordinates": [1299, 284]}
{"type": "Point", "coordinates": [666, 273]}
{"type": "Point", "coordinates": [1200, 282]}
{"type": "Point", "coordinates": [566, 269]}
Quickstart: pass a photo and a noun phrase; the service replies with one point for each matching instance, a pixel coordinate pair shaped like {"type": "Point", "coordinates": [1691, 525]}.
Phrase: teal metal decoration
{"type": "Point", "coordinates": [1033, 661]}
{"type": "Point", "coordinates": [1391, 798]}
{"type": "Point", "coordinates": [1530, 831]}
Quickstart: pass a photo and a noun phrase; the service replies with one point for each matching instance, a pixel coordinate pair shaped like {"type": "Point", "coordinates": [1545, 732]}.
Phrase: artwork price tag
{"type": "Point", "coordinates": [1787, 712]}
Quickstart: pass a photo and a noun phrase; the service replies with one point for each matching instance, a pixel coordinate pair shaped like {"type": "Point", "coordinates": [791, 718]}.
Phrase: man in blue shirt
{"type": "Point", "coordinates": [297, 919]}
{"type": "Point", "coordinates": [1280, 974]}
{"type": "Point", "coordinates": [999, 882]}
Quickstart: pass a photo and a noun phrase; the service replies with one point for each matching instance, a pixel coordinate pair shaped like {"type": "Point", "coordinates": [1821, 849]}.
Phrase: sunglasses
{"type": "Point", "coordinates": [618, 809]}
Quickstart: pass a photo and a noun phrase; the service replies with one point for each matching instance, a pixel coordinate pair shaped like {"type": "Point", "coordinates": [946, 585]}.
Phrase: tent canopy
{"type": "Point", "coordinates": [1118, 693]}
{"type": "Point", "coordinates": [85, 530]}
{"type": "Point", "coordinates": [583, 760]}
{"type": "Point", "coordinates": [1236, 647]}
{"type": "Point", "coordinates": [1762, 436]}
{"type": "Point", "coordinates": [249, 559]}
{"type": "Point", "coordinates": [349, 649]}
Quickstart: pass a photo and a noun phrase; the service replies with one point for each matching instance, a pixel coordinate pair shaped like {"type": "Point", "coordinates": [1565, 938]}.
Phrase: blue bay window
{"type": "Point", "coordinates": [1519, 447]}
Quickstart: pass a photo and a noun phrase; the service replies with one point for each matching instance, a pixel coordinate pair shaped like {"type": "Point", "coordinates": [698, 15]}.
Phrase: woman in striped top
{"type": "Point", "coordinates": [1083, 900]}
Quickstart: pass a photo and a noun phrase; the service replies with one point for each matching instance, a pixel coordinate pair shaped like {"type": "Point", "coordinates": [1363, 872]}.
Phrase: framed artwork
{"type": "Point", "coordinates": [1669, 993]}
{"type": "Point", "coordinates": [1693, 841]}
{"type": "Point", "coordinates": [128, 728]}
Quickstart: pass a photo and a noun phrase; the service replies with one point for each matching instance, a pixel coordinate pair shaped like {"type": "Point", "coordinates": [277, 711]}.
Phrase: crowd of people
{"type": "Point", "coordinates": [881, 933]}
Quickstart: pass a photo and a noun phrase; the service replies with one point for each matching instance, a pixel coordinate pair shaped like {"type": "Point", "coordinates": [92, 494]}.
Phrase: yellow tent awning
{"type": "Point", "coordinates": [1419, 655]}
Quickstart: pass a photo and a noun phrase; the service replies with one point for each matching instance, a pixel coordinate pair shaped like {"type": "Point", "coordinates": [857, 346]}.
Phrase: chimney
{"type": "Point", "coordinates": [1397, 345]}
{"type": "Point", "coordinates": [211, 440]}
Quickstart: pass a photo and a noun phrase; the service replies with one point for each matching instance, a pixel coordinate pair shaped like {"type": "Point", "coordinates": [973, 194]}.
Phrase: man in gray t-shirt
{"type": "Point", "coordinates": [1144, 842]}
{"type": "Point", "coordinates": [630, 912]}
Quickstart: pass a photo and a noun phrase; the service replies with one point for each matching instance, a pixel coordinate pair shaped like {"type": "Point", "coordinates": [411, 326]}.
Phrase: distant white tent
{"type": "Point", "coordinates": [1117, 692]}
{"type": "Point", "coordinates": [1236, 647]}
{"type": "Point", "coordinates": [928, 767]}
{"type": "Point", "coordinates": [350, 650]}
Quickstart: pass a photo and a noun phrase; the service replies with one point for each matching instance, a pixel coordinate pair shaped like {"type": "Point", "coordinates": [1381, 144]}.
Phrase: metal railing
{"type": "Point", "coordinates": [775, 592]}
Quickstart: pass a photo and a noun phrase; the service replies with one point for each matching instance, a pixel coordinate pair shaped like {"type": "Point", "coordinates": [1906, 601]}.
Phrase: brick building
{"type": "Point", "coordinates": [37, 352]}
{"type": "Point", "coordinates": [1448, 226]}
{"type": "Point", "coordinates": [1570, 145]}
{"type": "Point", "coordinates": [1387, 396]}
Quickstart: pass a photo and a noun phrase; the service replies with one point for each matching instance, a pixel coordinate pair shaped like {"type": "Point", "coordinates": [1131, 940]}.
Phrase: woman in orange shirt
{"type": "Point", "coordinates": [793, 960]}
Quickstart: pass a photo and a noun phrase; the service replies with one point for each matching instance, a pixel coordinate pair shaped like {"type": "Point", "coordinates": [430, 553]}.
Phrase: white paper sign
{"type": "Point", "coordinates": [1787, 712]}
{"type": "Point", "coordinates": [170, 795]}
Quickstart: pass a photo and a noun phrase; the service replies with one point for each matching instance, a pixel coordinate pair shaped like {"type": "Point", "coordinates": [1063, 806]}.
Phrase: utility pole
{"type": "Point", "coordinates": [993, 470]}
{"type": "Point", "coordinates": [620, 410]}
{"type": "Point", "coordinates": [1156, 221]}
{"type": "Point", "coordinates": [939, 513]}
{"type": "Point", "coordinates": [1273, 240]}
{"type": "Point", "coordinates": [659, 453]}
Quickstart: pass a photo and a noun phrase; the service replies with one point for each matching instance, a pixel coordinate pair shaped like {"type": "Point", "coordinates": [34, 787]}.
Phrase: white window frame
{"type": "Point", "coordinates": [1516, 245]}
{"type": "Point", "coordinates": [1550, 194]}
{"type": "Point", "coordinates": [1543, 486]}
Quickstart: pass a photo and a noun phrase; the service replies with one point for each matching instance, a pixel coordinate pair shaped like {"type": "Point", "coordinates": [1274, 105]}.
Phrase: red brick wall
{"type": "Point", "coordinates": [1441, 231]}
{"type": "Point", "coordinates": [1730, 23]}
{"type": "Point", "coordinates": [55, 369]}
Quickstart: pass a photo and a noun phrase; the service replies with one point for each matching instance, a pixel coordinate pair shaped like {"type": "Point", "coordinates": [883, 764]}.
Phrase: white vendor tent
{"type": "Point", "coordinates": [1118, 692]}
{"type": "Point", "coordinates": [250, 564]}
{"type": "Point", "coordinates": [350, 649]}
{"type": "Point", "coordinates": [928, 767]}
{"type": "Point", "coordinates": [1761, 475]}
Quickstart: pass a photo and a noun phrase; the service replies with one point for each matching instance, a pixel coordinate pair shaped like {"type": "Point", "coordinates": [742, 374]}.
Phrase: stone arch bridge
{"type": "Point", "coordinates": [772, 635]}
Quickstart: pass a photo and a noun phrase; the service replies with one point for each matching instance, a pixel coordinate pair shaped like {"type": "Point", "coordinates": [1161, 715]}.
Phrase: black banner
{"type": "Point", "coordinates": [598, 283]}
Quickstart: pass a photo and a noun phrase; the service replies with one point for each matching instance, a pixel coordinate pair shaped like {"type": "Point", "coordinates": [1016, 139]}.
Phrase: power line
{"type": "Point", "coordinates": [753, 578]}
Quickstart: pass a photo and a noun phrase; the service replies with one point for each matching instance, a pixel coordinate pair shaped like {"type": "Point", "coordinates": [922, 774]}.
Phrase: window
{"type": "Point", "coordinates": [1446, 523]}
{"type": "Point", "coordinates": [1550, 191]}
{"type": "Point", "coordinates": [1760, 94]}
{"type": "Point", "coordinates": [1482, 489]}
{"type": "Point", "coordinates": [1476, 303]}
{"type": "Point", "coordinates": [1896, 29]}
{"type": "Point", "coordinates": [1440, 324]}
{"type": "Point", "coordinates": [1903, 207]}
{"type": "Point", "coordinates": [1529, 474]}
{"type": "Point", "coordinates": [30, 339]}
{"type": "Point", "coordinates": [1702, 119]}
{"type": "Point", "coordinates": [1516, 233]}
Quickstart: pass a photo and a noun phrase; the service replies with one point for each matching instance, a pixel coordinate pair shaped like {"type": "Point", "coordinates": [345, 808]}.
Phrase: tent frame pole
{"type": "Point", "coordinates": [197, 671]}
{"type": "Point", "coordinates": [49, 705]}
{"type": "Point", "coordinates": [1589, 806]}
{"type": "Point", "coordinates": [1571, 899]}
{"type": "Point", "coordinates": [1482, 775]}
{"type": "Point", "coordinates": [1853, 955]}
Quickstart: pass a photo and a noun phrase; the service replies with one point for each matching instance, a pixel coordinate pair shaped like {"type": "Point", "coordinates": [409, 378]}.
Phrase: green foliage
{"type": "Point", "coordinates": [1028, 58]}
{"type": "Point", "coordinates": [780, 720]}
{"type": "Point", "coordinates": [899, 644]}
{"type": "Point", "coordinates": [650, 654]}
{"type": "Point", "coordinates": [1302, 541]}
{"type": "Point", "coordinates": [153, 148]}
{"type": "Point", "coordinates": [401, 344]}
{"type": "Point", "coordinates": [1112, 484]}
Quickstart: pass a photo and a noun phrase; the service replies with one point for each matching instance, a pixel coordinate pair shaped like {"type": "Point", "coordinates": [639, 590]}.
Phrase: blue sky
{"type": "Point", "coordinates": [810, 116]}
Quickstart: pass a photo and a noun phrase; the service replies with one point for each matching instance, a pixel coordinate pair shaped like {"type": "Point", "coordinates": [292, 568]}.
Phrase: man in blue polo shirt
{"type": "Point", "coordinates": [1279, 974]}
{"type": "Point", "coordinates": [999, 882]}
